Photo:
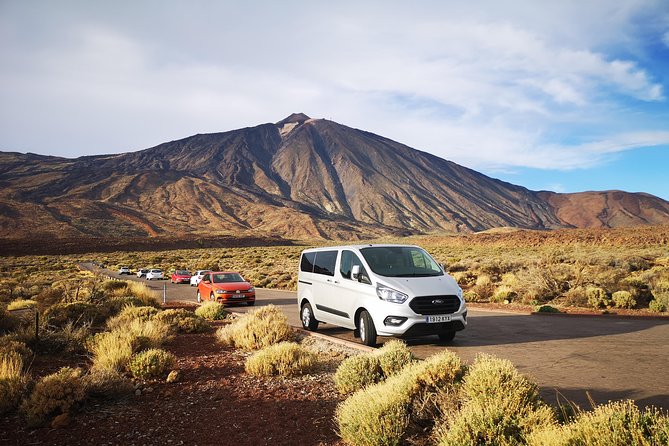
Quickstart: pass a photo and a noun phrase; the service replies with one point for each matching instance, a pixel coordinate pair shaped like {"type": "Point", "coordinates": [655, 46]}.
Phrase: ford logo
{"type": "Point", "coordinates": [437, 302]}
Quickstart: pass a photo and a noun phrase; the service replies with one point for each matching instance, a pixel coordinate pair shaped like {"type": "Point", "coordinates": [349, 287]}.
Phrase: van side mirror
{"type": "Point", "coordinates": [355, 272]}
{"type": "Point", "coordinates": [443, 268]}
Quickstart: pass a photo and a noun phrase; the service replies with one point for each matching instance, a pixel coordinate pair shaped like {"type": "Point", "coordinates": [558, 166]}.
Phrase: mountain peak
{"type": "Point", "coordinates": [295, 118]}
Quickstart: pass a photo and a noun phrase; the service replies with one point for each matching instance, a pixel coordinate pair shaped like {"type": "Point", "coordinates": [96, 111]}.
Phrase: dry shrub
{"type": "Point", "coordinates": [212, 311]}
{"type": "Point", "coordinates": [77, 313]}
{"type": "Point", "coordinates": [9, 345]}
{"type": "Point", "coordinates": [183, 321]}
{"type": "Point", "coordinates": [107, 383]}
{"type": "Point", "coordinates": [393, 357]}
{"type": "Point", "coordinates": [8, 322]}
{"type": "Point", "coordinates": [21, 304]}
{"type": "Point", "coordinates": [257, 329]}
{"type": "Point", "coordinates": [381, 414]}
{"type": "Point", "coordinates": [112, 350]}
{"type": "Point", "coordinates": [597, 297]}
{"type": "Point", "coordinates": [142, 292]}
{"type": "Point", "coordinates": [48, 297]}
{"type": "Point", "coordinates": [484, 287]}
{"type": "Point", "coordinates": [623, 299]}
{"type": "Point", "coordinates": [284, 358]}
{"type": "Point", "coordinates": [464, 278]}
{"type": "Point", "coordinates": [69, 338]}
{"type": "Point", "coordinates": [575, 297]}
{"type": "Point", "coordinates": [499, 406]}
{"type": "Point", "coordinates": [614, 424]}
{"type": "Point", "coordinates": [151, 364]}
{"type": "Point", "coordinates": [53, 395]}
{"type": "Point", "coordinates": [13, 380]}
{"type": "Point", "coordinates": [503, 294]}
{"type": "Point", "coordinates": [129, 314]}
{"type": "Point", "coordinates": [356, 372]}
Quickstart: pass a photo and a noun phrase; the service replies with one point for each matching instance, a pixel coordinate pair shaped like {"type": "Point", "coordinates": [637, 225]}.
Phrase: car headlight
{"type": "Point", "coordinates": [390, 295]}
{"type": "Point", "coordinates": [460, 293]}
{"type": "Point", "coordinates": [252, 289]}
{"type": "Point", "coordinates": [221, 291]}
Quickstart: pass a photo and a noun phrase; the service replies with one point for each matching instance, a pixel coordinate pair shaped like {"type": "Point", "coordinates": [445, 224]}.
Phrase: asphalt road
{"type": "Point", "coordinates": [605, 357]}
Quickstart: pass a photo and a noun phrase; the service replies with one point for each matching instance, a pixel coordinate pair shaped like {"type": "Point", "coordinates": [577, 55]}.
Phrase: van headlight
{"type": "Point", "coordinates": [390, 295]}
{"type": "Point", "coordinates": [460, 293]}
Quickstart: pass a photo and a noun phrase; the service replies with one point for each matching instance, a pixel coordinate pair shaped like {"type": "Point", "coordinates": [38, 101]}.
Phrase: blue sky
{"type": "Point", "coordinates": [559, 95]}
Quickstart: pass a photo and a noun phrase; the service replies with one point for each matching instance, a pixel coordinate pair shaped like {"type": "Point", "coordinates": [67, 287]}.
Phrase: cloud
{"type": "Point", "coordinates": [492, 86]}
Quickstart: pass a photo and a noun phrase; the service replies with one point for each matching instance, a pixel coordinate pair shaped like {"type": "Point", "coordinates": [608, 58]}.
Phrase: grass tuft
{"type": "Point", "coordinates": [284, 358]}
{"type": "Point", "coordinates": [257, 329]}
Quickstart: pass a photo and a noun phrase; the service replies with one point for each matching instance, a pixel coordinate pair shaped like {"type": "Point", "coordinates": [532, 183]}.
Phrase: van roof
{"type": "Point", "coordinates": [380, 245]}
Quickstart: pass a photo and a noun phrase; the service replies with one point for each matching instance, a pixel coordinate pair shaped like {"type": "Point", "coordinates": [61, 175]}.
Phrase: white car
{"type": "Point", "coordinates": [123, 270]}
{"type": "Point", "coordinates": [142, 272]}
{"type": "Point", "coordinates": [154, 274]}
{"type": "Point", "coordinates": [195, 278]}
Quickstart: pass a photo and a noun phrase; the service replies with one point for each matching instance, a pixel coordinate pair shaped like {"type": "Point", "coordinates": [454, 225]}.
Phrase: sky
{"type": "Point", "coordinates": [551, 95]}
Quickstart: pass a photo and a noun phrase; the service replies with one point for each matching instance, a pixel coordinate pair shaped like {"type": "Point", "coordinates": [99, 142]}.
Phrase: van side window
{"type": "Point", "coordinates": [348, 259]}
{"type": "Point", "coordinates": [307, 262]}
{"type": "Point", "coordinates": [325, 262]}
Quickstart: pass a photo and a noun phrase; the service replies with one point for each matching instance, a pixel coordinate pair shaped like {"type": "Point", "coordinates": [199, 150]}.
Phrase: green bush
{"type": "Point", "coordinates": [393, 357]}
{"type": "Point", "coordinates": [13, 380]}
{"type": "Point", "coordinates": [77, 313]}
{"type": "Point", "coordinates": [381, 414]}
{"type": "Point", "coordinates": [614, 424]}
{"type": "Point", "coordinates": [547, 309]}
{"type": "Point", "coordinates": [257, 329]}
{"type": "Point", "coordinates": [623, 299]}
{"type": "Point", "coordinates": [151, 364]}
{"type": "Point", "coordinates": [597, 297]}
{"type": "Point", "coordinates": [212, 311]}
{"type": "Point", "coordinates": [53, 395]}
{"type": "Point", "coordinates": [284, 358]}
{"type": "Point", "coordinates": [183, 321]}
{"type": "Point", "coordinates": [499, 406]}
{"type": "Point", "coordinates": [356, 372]}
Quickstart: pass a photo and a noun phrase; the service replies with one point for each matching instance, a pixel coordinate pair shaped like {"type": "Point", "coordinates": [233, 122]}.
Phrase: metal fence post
{"type": "Point", "coordinates": [164, 293]}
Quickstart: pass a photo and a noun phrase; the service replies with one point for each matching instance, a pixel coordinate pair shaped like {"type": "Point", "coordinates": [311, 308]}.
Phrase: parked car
{"type": "Point", "coordinates": [142, 272]}
{"type": "Point", "coordinates": [225, 287]}
{"type": "Point", "coordinates": [195, 278]}
{"type": "Point", "coordinates": [124, 270]}
{"type": "Point", "coordinates": [386, 290]}
{"type": "Point", "coordinates": [155, 274]}
{"type": "Point", "coordinates": [181, 276]}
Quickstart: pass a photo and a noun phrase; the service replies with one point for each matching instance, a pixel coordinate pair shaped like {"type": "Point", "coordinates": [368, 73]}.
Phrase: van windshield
{"type": "Point", "coordinates": [400, 261]}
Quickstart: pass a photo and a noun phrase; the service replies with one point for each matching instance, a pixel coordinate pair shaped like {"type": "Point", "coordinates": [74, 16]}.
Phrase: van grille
{"type": "Point", "coordinates": [435, 304]}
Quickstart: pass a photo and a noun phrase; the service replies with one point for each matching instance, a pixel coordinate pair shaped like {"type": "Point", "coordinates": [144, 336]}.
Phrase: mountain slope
{"type": "Point", "coordinates": [299, 178]}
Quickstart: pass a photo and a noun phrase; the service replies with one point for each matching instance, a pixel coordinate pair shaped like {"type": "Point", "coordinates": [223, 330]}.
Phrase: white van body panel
{"type": "Point", "coordinates": [337, 300]}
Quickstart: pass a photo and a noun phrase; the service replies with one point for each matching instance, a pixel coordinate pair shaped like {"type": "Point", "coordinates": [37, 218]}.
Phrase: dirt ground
{"type": "Point", "coordinates": [214, 402]}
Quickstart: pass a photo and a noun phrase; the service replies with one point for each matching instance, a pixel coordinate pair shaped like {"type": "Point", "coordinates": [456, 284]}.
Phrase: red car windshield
{"type": "Point", "coordinates": [227, 278]}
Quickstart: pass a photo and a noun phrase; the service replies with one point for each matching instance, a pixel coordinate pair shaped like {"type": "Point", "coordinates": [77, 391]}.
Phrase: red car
{"type": "Point", "coordinates": [181, 276]}
{"type": "Point", "coordinates": [226, 287]}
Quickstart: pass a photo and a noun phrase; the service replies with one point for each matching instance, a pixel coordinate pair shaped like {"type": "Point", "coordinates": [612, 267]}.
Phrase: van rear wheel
{"type": "Point", "coordinates": [366, 329]}
{"type": "Point", "coordinates": [309, 322]}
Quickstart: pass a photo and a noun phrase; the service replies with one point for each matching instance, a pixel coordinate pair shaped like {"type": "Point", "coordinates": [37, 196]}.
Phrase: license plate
{"type": "Point", "coordinates": [437, 319]}
{"type": "Point", "coordinates": [237, 296]}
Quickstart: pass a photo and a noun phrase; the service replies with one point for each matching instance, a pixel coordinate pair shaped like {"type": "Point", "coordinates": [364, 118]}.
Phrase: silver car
{"type": "Point", "coordinates": [155, 274]}
{"type": "Point", "coordinates": [195, 278]}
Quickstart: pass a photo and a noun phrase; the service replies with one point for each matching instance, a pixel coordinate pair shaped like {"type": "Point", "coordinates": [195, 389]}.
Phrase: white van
{"type": "Point", "coordinates": [386, 290]}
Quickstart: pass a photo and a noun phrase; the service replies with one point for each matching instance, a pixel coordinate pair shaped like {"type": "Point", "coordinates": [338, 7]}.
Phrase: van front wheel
{"type": "Point", "coordinates": [366, 329]}
{"type": "Point", "coordinates": [309, 322]}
